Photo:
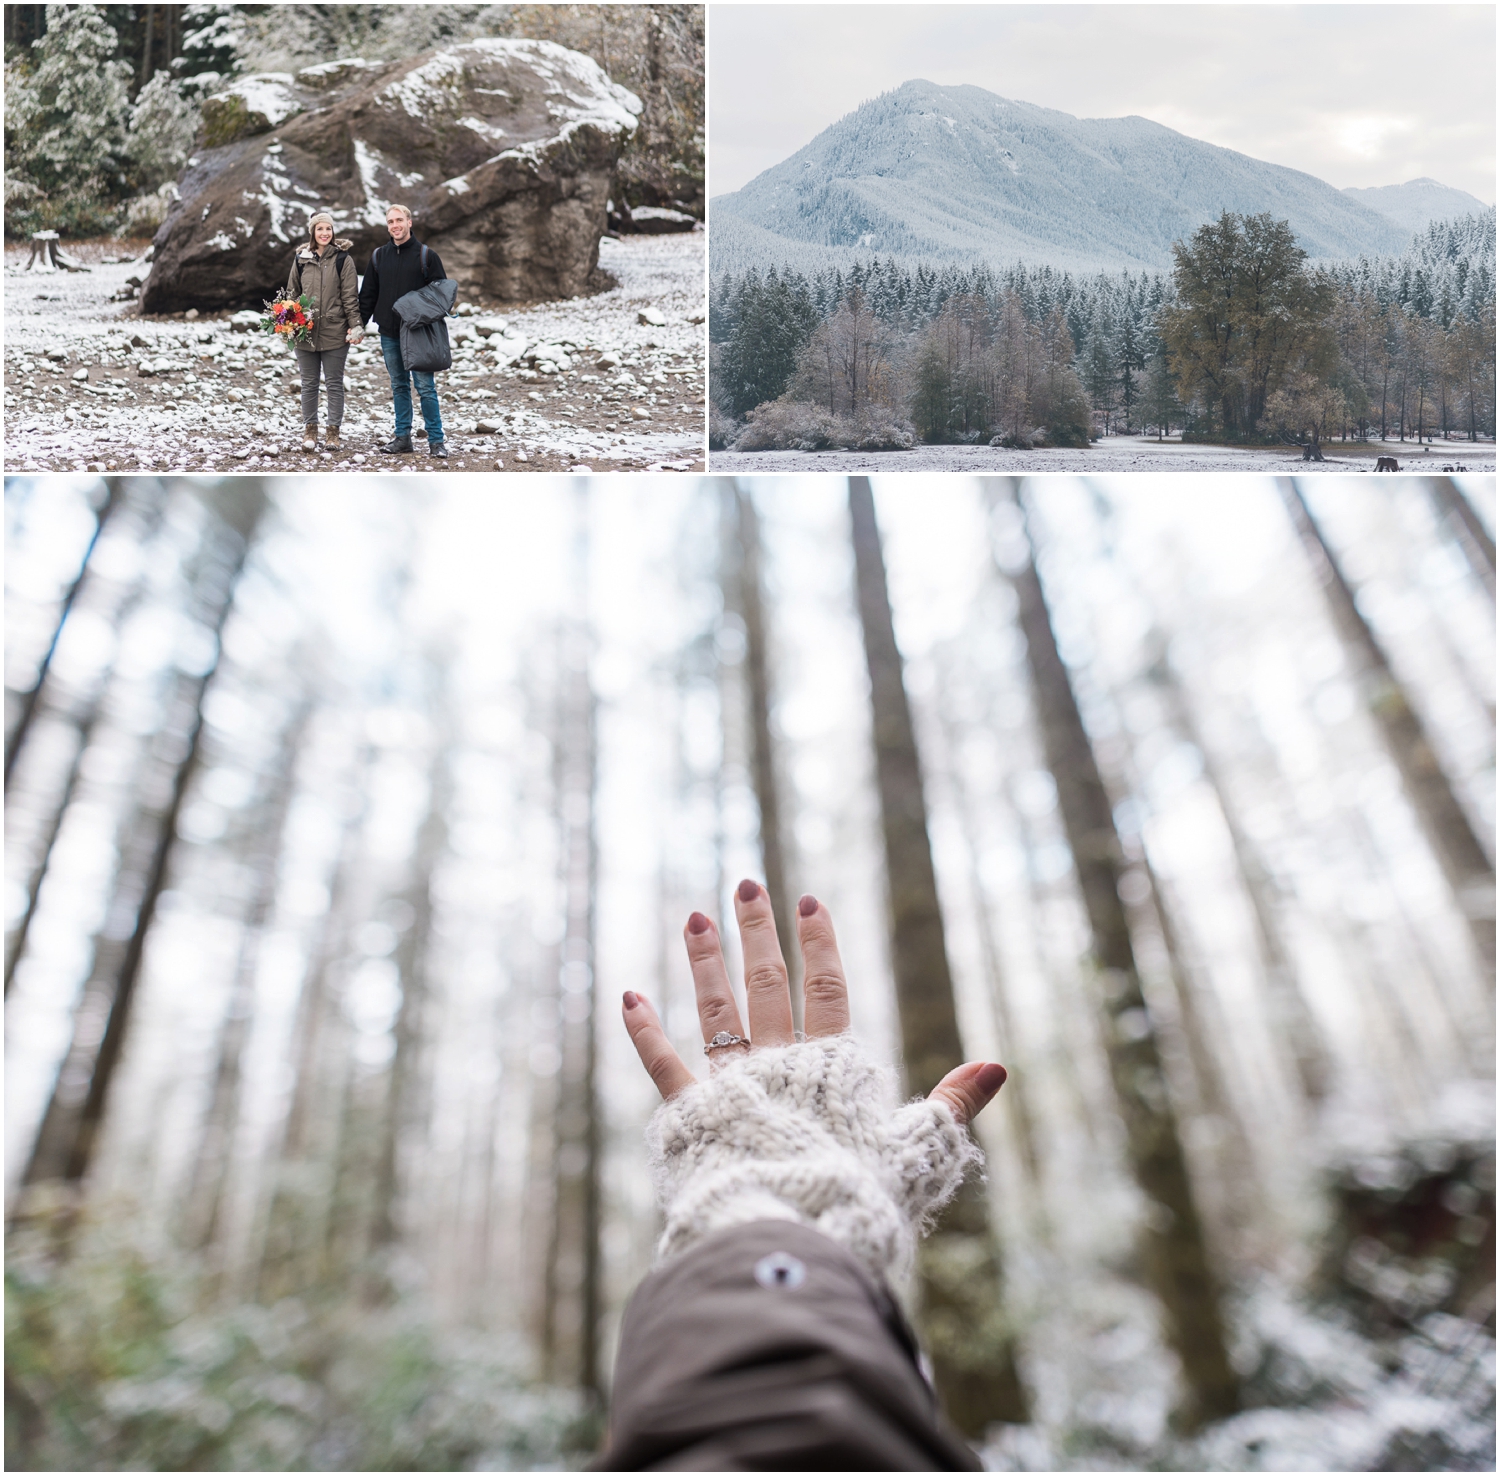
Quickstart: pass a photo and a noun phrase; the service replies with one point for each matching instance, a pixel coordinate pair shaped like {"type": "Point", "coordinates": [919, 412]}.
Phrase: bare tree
{"type": "Point", "coordinates": [1469, 871]}
{"type": "Point", "coordinates": [960, 1278]}
{"type": "Point", "coordinates": [17, 735]}
{"type": "Point", "coordinates": [1291, 1015]}
{"type": "Point", "coordinates": [1472, 536]}
{"type": "Point", "coordinates": [744, 590]}
{"type": "Point", "coordinates": [1176, 1250]}
{"type": "Point", "coordinates": [211, 1169]}
{"type": "Point", "coordinates": [144, 512]}
{"type": "Point", "coordinates": [403, 1079]}
{"type": "Point", "coordinates": [574, 1292]}
{"type": "Point", "coordinates": [70, 1126]}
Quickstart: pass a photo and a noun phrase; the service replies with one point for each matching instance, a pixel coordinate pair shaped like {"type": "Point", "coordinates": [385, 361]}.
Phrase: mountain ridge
{"type": "Point", "coordinates": [960, 172]}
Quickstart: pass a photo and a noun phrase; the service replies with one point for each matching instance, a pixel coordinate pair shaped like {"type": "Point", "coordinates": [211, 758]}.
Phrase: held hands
{"type": "Point", "coordinates": [809, 1131]}
{"type": "Point", "coordinates": [768, 999]}
{"type": "Point", "coordinates": [354, 335]}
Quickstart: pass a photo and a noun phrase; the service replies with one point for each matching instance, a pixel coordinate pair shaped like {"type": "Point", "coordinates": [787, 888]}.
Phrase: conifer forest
{"type": "Point", "coordinates": [340, 812]}
{"type": "Point", "coordinates": [1246, 341]}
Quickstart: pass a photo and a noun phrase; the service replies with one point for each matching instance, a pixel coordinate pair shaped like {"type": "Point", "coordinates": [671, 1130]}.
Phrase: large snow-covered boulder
{"type": "Point", "coordinates": [503, 149]}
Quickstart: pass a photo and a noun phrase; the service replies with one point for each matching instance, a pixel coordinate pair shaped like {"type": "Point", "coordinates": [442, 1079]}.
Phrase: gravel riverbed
{"type": "Point", "coordinates": [612, 382]}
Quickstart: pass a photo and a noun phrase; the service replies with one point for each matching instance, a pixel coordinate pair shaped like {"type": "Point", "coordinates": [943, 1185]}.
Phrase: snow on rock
{"type": "Point", "coordinates": [504, 149]}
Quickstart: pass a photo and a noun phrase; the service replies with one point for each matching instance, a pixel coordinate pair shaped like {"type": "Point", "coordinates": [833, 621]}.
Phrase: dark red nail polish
{"type": "Point", "coordinates": [991, 1077]}
{"type": "Point", "coordinates": [632, 999]}
{"type": "Point", "coordinates": [697, 923]}
{"type": "Point", "coordinates": [749, 890]}
{"type": "Point", "coordinates": [808, 905]}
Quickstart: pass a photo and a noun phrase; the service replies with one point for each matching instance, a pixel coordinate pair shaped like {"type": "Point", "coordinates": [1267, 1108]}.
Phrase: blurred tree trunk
{"type": "Point", "coordinates": [1176, 1251]}
{"type": "Point", "coordinates": [403, 1082]}
{"type": "Point", "coordinates": [70, 1126]}
{"type": "Point", "coordinates": [144, 511]}
{"type": "Point", "coordinates": [286, 1239]}
{"type": "Point", "coordinates": [1015, 1100]}
{"type": "Point", "coordinates": [1468, 869]}
{"type": "Point", "coordinates": [575, 1304]}
{"type": "Point", "coordinates": [959, 1272]}
{"type": "Point", "coordinates": [211, 1168]}
{"type": "Point", "coordinates": [744, 592]}
{"type": "Point", "coordinates": [1471, 534]}
{"type": "Point", "coordinates": [17, 735]}
{"type": "Point", "coordinates": [1291, 1017]}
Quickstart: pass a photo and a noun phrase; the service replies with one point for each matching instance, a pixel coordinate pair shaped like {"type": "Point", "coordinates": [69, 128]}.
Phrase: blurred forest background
{"type": "Point", "coordinates": [102, 102]}
{"type": "Point", "coordinates": [338, 820]}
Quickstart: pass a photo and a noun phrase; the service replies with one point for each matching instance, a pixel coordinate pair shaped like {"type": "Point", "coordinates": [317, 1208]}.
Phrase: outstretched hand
{"type": "Point", "coordinates": [768, 1000]}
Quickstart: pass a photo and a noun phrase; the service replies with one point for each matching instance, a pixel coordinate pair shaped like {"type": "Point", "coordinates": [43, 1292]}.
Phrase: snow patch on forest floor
{"type": "Point", "coordinates": [212, 399]}
{"type": "Point", "coordinates": [1112, 455]}
{"type": "Point", "coordinates": [1320, 1395]}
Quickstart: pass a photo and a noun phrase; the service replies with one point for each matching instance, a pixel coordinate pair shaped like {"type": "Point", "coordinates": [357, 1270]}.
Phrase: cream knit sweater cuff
{"type": "Point", "coordinates": [808, 1132]}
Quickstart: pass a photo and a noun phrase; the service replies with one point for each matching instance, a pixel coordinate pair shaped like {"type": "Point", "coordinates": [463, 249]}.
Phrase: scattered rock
{"type": "Point", "coordinates": [499, 465]}
{"type": "Point", "coordinates": [191, 314]}
{"type": "Point", "coordinates": [96, 466]}
{"type": "Point", "coordinates": [235, 396]}
{"type": "Point", "coordinates": [523, 222]}
{"type": "Point", "coordinates": [245, 321]}
{"type": "Point", "coordinates": [522, 456]}
{"type": "Point", "coordinates": [698, 318]}
{"type": "Point", "coordinates": [640, 412]}
{"type": "Point", "coordinates": [139, 341]}
{"type": "Point", "coordinates": [488, 428]}
{"type": "Point", "coordinates": [57, 355]}
{"type": "Point", "coordinates": [651, 318]}
{"type": "Point", "coordinates": [487, 327]}
{"type": "Point", "coordinates": [81, 376]}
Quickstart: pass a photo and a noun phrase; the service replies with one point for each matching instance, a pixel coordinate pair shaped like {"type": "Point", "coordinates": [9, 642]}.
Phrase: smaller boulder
{"type": "Point", "coordinates": [651, 318]}
{"type": "Point", "coordinates": [255, 104]}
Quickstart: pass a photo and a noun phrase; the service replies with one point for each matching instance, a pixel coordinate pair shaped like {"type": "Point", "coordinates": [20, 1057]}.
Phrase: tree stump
{"type": "Point", "coordinates": [47, 255]}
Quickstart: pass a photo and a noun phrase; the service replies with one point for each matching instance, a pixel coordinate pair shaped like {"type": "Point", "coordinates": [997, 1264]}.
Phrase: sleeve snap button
{"type": "Point", "coordinates": [780, 1270]}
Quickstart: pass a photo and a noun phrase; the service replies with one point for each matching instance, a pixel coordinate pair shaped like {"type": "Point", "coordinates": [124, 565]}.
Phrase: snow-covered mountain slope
{"type": "Point", "coordinates": [959, 172]}
{"type": "Point", "coordinates": [1416, 204]}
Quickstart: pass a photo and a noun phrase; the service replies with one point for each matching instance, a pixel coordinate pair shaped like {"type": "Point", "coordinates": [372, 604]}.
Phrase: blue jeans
{"type": "Point", "coordinates": [401, 383]}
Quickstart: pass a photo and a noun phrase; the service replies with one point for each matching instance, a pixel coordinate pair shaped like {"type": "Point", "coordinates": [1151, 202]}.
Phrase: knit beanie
{"type": "Point", "coordinates": [312, 225]}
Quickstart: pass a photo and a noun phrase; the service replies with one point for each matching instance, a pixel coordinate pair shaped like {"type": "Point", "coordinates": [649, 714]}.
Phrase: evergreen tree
{"type": "Point", "coordinates": [66, 108]}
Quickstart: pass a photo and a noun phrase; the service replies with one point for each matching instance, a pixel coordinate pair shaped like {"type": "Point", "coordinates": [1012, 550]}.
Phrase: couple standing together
{"type": "Point", "coordinates": [324, 269]}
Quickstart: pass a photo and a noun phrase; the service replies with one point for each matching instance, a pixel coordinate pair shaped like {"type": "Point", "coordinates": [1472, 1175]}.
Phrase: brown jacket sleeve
{"type": "Point", "coordinates": [349, 292]}
{"type": "Point", "coordinates": [768, 1347]}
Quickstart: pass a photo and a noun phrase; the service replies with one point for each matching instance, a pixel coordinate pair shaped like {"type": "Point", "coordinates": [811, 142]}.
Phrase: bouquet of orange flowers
{"type": "Point", "coordinates": [290, 317]}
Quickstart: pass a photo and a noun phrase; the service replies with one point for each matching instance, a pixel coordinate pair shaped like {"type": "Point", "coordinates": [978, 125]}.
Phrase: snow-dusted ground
{"type": "Point", "coordinates": [76, 398]}
{"type": "Point", "coordinates": [1116, 454]}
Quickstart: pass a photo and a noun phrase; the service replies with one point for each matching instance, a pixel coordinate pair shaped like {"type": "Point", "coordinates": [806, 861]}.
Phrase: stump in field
{"type": "Point", "coordinates": [47, 254]}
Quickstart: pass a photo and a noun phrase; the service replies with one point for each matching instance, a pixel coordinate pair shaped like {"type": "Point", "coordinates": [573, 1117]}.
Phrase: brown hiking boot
{"type": "Point", "coordinates": [310, 438]}
{"type": "Point", "coordinates": [331, 437]}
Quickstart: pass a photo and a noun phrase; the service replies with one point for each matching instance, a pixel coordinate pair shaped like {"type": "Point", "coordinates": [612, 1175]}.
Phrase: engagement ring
{"type": "Point", "coordinates": [722, 1039]}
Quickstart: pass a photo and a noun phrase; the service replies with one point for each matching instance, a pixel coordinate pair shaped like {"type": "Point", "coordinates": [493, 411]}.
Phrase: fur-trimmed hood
{"type": "Point", "coordinates": [307, 252]}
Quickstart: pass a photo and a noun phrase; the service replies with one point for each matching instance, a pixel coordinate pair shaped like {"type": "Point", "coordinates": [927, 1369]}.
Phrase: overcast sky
{"type": "Point", "coordinates": [1355, 94]}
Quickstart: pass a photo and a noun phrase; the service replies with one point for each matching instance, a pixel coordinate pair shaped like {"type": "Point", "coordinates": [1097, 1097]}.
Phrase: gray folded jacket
{"type": "Point", "coordinates": [424, 334]}
{"type": "Point", "coordinates": [769, 1347]}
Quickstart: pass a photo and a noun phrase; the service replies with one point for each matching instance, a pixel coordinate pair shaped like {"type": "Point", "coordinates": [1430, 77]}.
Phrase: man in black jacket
{"type": "Point", "coordinates": [404, 265]}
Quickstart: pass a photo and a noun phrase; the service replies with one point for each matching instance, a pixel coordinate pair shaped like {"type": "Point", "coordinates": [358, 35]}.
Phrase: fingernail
{"type": "Point", "coordinates": [991, 1078]}
{"type": "Point", "coordinates": [749, 890]}
{"type": "Point", "coordinates": [632, 999]}
{"type": "Point", "coordinates": [808, 905]}
{"type": "Point", "coordinates": [697, 923]}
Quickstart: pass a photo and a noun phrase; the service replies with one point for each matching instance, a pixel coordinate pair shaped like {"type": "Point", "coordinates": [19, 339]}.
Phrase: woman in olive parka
{"type": "Point", "coordinates": [323, 269]}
